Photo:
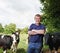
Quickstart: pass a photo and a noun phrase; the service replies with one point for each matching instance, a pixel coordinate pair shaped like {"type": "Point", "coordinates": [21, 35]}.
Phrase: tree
{"type": "Point", "coordinates": [51, 14]}
{"type": "Point", "coordinates": [9, 28]}
{"type": "Point", "coordinates": [1, 28]}
{"type": "Point", "coordinates": [24, 30]}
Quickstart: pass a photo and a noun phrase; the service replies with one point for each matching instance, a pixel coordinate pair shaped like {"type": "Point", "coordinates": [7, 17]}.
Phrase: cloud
{"type": "Point", "coordinates": [20, 12]}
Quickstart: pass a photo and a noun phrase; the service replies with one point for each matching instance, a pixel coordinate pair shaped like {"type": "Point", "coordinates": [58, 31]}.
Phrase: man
{"type": "Point", "coordinates": [36, 33]}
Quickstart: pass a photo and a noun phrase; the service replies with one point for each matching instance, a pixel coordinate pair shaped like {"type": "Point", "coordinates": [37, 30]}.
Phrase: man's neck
{"type": "Point", "coordinates": [37, 24]}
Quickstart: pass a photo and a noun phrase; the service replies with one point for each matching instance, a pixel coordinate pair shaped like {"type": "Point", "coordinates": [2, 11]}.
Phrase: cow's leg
{"type": "Point", "coordinates": [50, 48]}
{"type": "Point", "coordinates": [50, 51]}
{"type": "Point", "coordinates": [13, 48]}
{"type": "Point", "coordinates": [56, 48]}
{"type": "Point", "coordinates": [55, 51]}
{"type": "Point", "coordinates": [4, 51]}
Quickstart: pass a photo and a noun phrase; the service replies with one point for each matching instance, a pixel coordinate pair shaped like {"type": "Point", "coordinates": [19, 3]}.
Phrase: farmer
{"type": "Point", "coordinates": [36, 33]}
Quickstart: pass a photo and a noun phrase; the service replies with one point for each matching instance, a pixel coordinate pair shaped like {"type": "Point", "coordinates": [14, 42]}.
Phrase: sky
{"type": "Point", "coordinates": [20, 12]}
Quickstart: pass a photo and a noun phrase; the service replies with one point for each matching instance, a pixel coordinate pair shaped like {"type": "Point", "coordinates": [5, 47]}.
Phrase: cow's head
{"type": "Point", "coordinates": [15, 37]}
{"type": "Point", "coordinates": [47, 37]}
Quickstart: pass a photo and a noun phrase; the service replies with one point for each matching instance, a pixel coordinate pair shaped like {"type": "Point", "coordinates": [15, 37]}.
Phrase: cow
{"type": "Point", "coordinates": [53, 41]}
{"type": "Point", "coordinates": [16, 40]}
{"type": "Point", "coordinates": [9, 42]}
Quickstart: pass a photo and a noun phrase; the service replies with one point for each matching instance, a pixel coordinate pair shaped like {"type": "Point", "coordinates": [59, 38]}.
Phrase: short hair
{"type": "Point", "coordinates": [38, 15]}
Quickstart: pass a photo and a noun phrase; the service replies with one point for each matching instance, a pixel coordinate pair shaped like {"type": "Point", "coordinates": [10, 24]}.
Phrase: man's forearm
{"type": "Point", "coordinates": [31, 33]}
{"type": "Point", "coordinates": [39, 31]}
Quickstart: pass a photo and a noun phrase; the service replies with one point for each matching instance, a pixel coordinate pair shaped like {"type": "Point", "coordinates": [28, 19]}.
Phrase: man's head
{"type": "Point", "coordinates": [37, 18]}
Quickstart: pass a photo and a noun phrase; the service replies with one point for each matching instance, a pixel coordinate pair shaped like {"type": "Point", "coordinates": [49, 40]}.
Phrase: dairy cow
{"type": "Point", "coordinates": [9, 42]}
{"type": "Point", "coordinates": [53, 40]}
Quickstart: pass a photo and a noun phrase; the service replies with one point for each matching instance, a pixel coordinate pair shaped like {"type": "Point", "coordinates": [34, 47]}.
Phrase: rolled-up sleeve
{"type": "Point", "coordinates": [30, 28]}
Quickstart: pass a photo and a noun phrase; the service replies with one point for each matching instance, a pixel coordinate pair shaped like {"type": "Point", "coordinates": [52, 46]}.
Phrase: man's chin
{"type": "Point", "coordinates": [37, 23]}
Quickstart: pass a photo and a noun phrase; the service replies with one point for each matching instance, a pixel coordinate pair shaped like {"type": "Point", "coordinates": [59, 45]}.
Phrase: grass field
{"type": "Point", "coordinates": [22, 47]}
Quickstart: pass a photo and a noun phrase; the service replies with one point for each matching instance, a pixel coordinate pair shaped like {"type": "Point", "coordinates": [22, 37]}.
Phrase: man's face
{"type": "Point", "coordinates": [37, 19]}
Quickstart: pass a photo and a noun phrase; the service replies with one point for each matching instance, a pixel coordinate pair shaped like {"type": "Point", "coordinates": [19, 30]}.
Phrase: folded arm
{"type": "Point", "coordinates": [33, 32]}
{"type": "Point", "coordinates": [39, 31]}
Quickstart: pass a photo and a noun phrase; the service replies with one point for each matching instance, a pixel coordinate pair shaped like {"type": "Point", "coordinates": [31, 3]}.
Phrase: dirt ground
{"type": "Point", "coordinates": [47, 51]}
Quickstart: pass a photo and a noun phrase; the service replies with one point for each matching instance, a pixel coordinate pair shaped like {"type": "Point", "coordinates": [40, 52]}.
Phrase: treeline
{"type": "Point", "coordinates": [8, 29]}
{"type": "Point", "coordinates": [51, 14]}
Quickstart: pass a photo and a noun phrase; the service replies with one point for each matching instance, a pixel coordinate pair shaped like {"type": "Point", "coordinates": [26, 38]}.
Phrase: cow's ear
{"type": "Point", "coordinates": [17, 33]}
{"type": "Point", "coordinates": [52, 36]}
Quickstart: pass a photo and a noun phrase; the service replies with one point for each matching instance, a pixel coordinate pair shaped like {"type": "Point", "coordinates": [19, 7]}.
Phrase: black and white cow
{"type": "Point", "coordinates": [53, 40]}
{"type": "Point", "coordinates": [9, 42]}
{"type": "Point", "coordinates": [16, 40]}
